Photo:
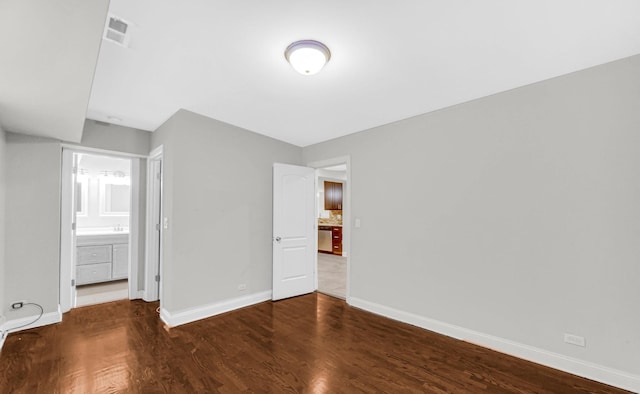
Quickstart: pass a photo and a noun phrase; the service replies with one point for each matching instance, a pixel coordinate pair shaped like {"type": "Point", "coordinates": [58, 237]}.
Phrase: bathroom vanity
{"type": "Point", "coordinates": [102, 258]}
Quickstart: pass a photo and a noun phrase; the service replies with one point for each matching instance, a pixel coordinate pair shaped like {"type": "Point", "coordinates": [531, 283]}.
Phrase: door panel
{"type": "Point", "coordinates": [294, 242]}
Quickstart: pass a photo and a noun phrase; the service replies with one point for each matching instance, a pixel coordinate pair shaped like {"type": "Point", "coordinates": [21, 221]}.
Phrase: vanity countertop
{"type": "Point", "coordinates": [82, 232]}
{"type": "Point", "coordinates": [119, 237]}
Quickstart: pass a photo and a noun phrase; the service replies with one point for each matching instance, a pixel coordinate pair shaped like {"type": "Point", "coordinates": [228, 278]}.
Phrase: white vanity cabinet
{"type": "Point", "coordinates": [101, 258]}
{"type": "Point", "coordinates": [120, 261]}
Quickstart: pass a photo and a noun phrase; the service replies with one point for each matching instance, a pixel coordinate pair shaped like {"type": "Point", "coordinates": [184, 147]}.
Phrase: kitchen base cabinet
{"type": "Point", "coordinates": [336, 240]}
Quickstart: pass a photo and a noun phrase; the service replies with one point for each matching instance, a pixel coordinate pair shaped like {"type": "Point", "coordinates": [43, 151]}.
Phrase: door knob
{"type": "Point", "coordinates": [278, 239]}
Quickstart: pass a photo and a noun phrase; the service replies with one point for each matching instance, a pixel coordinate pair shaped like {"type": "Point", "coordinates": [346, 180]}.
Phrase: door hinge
{"type": "Point", "coordinates": [73, 282]}
{"type": "Point", "coordinates": [75, 169]}
{"type": "Point", "coordinates": [73, 226]}
{"type": "Point", "coordinates": [157, 226]}
{"type": "Point", "coordinates": [157, 278]}
{"type": "Point", "coordinates": [158, 175]}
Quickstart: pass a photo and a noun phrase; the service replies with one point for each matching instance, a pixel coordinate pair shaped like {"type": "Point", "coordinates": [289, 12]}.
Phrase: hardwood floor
{"type": "Point", "coordinates": [308, 344]}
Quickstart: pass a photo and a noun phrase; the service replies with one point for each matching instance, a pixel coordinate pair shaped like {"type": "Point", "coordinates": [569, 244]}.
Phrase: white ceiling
{"type": "Point", "coordinates": [390, 59]}
{"type": "Point", "coordinates": [48, 54]}
{"type": "Point", "coordinates": [225, 59]}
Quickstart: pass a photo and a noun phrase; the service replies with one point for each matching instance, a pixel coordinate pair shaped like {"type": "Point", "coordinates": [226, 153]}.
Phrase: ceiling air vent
{"type": "Point", "coordinates": [117, 30]}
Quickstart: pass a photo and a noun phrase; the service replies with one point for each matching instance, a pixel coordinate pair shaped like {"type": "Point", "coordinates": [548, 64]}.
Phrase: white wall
{"type": "Point", "coordinates": [218, 201]}
{"type": "Point", "coordinates": [515, 215]}
{"type": "Point", "coordinates": [3, 159]}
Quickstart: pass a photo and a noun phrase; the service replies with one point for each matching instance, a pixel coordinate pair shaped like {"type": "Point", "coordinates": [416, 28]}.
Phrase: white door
{"type": "Point", "coordinates": [294, 243]}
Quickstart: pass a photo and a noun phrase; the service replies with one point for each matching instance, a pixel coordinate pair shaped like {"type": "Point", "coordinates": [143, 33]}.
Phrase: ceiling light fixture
{"type": "Point", "coordinates": [307, 56]}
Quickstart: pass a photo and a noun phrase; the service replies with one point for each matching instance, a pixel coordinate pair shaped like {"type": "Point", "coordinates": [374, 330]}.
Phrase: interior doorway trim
{"type": "Point", "coordinates": [103, 152]}
{"type": "Point", "coordinates": [154, 225]}
{"type": "Point", "coordinates": [67, 292]}
{"type": "Point", "coordinates": [346, 213]}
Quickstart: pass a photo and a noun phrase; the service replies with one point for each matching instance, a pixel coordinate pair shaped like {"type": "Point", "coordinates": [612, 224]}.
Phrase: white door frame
{"type": "Point", "coordinates": [67, 254]}
{"type": "Point", "coordinates": [67, 295]}
{"type": "Point", "coordinates": [346, 214]}
{"type": "Point", "coordinates": [153, 255]}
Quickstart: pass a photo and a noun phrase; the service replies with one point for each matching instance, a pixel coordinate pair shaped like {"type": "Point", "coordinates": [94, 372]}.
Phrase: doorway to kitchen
{"type": "Point", "coordinates": [332, 208]}
{"type": "Point", "coordinates": [99, 222]}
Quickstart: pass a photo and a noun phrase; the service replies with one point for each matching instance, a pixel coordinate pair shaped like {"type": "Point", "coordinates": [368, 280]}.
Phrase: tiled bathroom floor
{"type": "Point", "coordinates": [102, 292]}
{"type": "Point", "coordinates": [332, 275]}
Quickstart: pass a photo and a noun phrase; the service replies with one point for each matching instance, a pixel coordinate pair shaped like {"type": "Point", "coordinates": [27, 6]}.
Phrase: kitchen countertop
{"type": "Point", "coordinates": [329, 224]}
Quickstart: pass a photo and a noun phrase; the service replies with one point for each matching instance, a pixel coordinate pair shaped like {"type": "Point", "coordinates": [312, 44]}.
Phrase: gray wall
{"type": "Point", "coordinates": [217, 197]}
{"type": "Point", "coordinates": [3, 156]}
{"type": "Point", "coordinates": [116, 138]}
{"type": "Point", "coordinates": [32, 239]}
{"type": "Point", "coordinates": [33, 167]}
{"type": "Point", "coordinates": [516, 215]}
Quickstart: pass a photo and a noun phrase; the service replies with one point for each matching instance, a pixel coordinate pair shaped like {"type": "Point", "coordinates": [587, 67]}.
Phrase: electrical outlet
{"type": "Point", "coordinates": [574, 340]}
{"type": "Point", "coordinates": [242, 287]}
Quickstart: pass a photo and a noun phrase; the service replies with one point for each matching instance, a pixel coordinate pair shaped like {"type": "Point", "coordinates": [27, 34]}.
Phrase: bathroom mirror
{"type": "Point", "coordinates": [114, 197]}
{"type": "Point", "coordinates": [81, 196]}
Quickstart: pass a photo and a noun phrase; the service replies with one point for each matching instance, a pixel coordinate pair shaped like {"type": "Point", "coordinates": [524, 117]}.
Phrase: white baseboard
{"type": "Point", "coordinates": [10, 325]}
{"type": "Point", "coordinates": [138, 295]}
{"type": "Point", "coordinates": [184, 316]}
{"type": "Point", "coordinates": [145, 297]}
{"type": "Point", "coordinates": [561, 362]}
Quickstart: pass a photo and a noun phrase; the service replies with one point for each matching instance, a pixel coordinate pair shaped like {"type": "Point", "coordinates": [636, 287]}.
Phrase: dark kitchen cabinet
{"type": "Point", "coordinates": [336, 240]}
{"type": "Point", "coordinates": [332, 196]}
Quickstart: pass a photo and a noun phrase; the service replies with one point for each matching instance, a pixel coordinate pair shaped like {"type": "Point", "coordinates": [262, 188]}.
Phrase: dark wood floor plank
{"type": "Point", "coordinates": [308, 344]}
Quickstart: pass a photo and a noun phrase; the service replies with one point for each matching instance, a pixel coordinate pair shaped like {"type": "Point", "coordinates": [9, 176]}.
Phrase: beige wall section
{"type": "Point", "coordinates": [218, 197]}
{"type": "Point", "coordinates": [3, 186]}
{"type": "Point", "coordinates": [32, 239]}
{"type": "Point", "coordinates": [33, 171]}
{"type": "Point", "coordinates": [516, 215]}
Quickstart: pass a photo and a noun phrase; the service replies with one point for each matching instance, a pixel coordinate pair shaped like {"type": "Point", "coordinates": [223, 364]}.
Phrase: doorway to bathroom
{"type": "Point", "coordinates": [99, 238]}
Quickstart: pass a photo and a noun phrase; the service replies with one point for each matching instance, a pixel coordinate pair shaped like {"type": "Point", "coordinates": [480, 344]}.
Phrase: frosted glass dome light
{"type": "Point", "coordinates": [307, 56]}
